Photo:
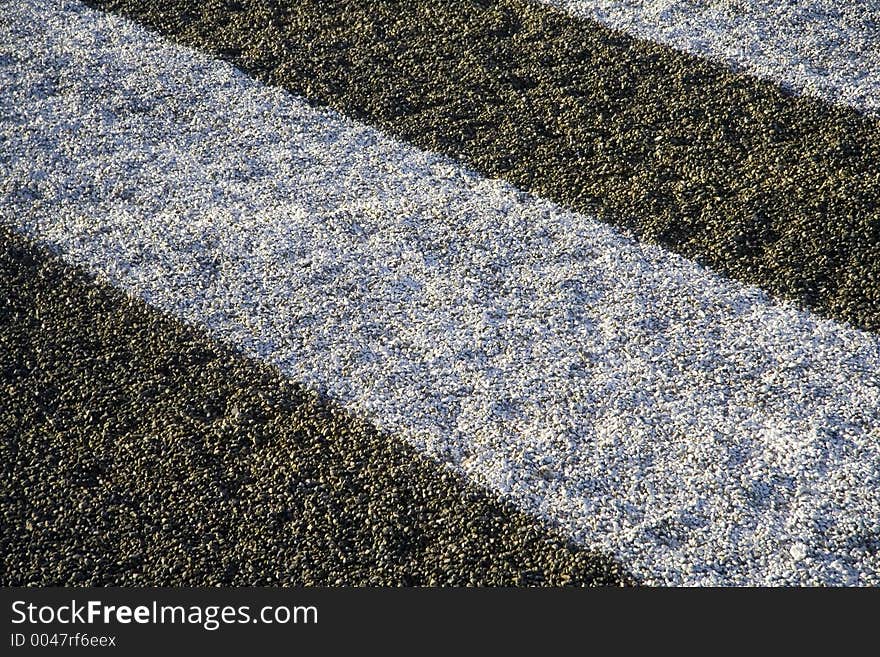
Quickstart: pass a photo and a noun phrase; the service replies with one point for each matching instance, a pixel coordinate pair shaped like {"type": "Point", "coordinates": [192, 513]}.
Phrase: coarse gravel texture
{"type": "Point", "coordinates": [731, 171]}
{"type": "Point", "coordinates": [689, 426]}
{"type": "Point", "coordinates": [137, 451]}
{"type": "Point", "coordinates": [826, 48]}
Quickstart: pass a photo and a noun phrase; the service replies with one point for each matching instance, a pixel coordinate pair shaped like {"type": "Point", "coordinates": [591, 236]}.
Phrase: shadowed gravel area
{"type": "Point", "coordinates": [772, 189]}
{"type": "Point", "coordinates": [136, 451]}
{"type": "Point", "coordinates": [824, 48]}
{"type": "Point", "coordinates": [685, 424]}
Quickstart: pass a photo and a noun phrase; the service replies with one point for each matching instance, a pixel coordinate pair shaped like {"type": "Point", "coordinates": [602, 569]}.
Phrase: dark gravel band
{"type": "Point", "coordinates": [771, 189]}
{"type": "Point", "coordinates": [136, 451]}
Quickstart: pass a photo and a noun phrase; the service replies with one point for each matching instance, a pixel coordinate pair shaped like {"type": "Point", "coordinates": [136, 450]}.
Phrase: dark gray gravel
{"type": "Point", "coordinates": [775, 190]}
{"type": "Point", "coordinates": [822, 48]}
{"type": "Point", "coordinates": [136, 451]}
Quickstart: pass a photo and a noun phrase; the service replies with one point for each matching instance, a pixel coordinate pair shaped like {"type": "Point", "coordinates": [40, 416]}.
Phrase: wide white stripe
{"type": "Point", "coordinates": [694, 428]}
{"type": "Point", "coordinates": [825, 48]}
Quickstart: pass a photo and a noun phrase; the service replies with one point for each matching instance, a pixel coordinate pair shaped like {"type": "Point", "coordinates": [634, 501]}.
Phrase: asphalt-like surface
{"type": "Point", "coordinates": [688, 424]}
{"type": "Point", "coordinates": [823, 48]}
{"type": "Point", "coordinates": [772, 189]}
{"type": "Point", "coordinates": [136, 451]}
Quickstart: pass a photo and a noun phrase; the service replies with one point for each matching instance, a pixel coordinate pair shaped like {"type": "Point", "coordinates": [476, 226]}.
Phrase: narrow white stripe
{"type": "Point", "coordinates": [825, 48]}
{"type": "Point", "coordinates": [683, 422]}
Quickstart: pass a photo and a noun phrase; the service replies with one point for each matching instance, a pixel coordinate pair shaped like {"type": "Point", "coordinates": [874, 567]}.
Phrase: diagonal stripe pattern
{"type": "Point", "coordinates": [777, 191]}
{"type": "Point", "coordinates": [826, 48]}
{"type": "Point", "coordinates": [137, 451]}
{"type": "Point", "coordinates": [690, 426]}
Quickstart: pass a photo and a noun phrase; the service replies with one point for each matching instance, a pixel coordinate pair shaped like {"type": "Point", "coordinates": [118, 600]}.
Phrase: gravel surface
{"type": "Point", "coordinates": [827, 48]}
{"type": "Point", "coordinates": [778, 191]}
{"type": "Point", "coordinates": [693, 428]}
{"type": "Point", "coordinates": [137, 451]}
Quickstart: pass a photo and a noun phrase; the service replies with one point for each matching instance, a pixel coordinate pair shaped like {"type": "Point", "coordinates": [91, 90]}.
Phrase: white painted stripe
{"type": "Point", "coordinates": [687, 424]}
{"type": "Point", "coordinates": [825, 48]}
